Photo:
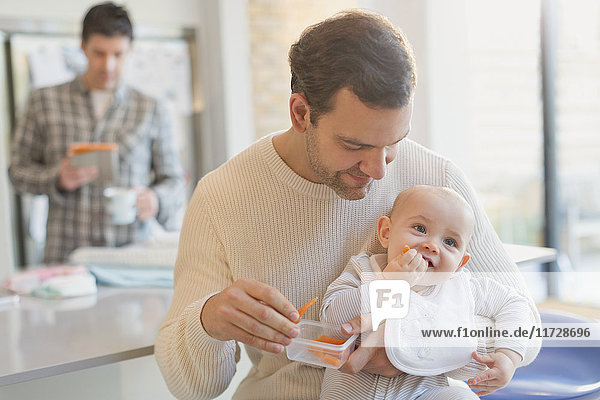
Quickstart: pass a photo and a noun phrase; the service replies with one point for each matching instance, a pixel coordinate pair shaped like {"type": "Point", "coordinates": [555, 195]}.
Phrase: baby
{"type": "Point", "coordinates": [426, 237]}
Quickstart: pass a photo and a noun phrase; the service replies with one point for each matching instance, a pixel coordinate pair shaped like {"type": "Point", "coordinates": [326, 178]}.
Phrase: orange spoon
{"type": "Point", "coordinates": [303, 309]}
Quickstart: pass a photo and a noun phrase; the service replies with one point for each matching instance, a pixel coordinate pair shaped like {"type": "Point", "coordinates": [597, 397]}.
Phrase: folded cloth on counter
{"type": "Point", "coordinates": [60, 281]}
{"type": "Point", "coordinates": [135, 255]}
{"type": "Point", "coordinates": [125, 276]}
{"type": "Point", "coordinates": [66, 286]}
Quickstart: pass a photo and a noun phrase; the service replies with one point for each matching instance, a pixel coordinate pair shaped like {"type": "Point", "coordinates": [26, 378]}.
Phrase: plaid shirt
{"type": "Point", "coordinates": [56, 117]}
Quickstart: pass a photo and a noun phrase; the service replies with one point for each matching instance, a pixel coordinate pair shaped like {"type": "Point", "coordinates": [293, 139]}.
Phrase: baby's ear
{"type": "Point", "coordinates": [464, 260]}
{"type": "Point", "coordinates": [384, 225]}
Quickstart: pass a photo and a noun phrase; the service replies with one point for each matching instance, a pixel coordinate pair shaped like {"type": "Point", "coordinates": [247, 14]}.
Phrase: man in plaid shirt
{"type": "Point", "coordinates": [96, 107]}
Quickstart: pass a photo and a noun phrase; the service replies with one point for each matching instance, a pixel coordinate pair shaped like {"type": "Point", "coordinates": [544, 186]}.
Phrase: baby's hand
{"type": "Point", "coordinates": [501, 366]}
{"type": "Point", "coordinates": [408, 266]}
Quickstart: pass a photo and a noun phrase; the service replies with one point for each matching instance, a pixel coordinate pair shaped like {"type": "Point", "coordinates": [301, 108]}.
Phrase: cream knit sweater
{"type": "Point", "coordinates": [253, 217]}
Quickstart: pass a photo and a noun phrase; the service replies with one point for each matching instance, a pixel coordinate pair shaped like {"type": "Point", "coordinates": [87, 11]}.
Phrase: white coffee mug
{"type": "Point", "coordinates": [120, 204]}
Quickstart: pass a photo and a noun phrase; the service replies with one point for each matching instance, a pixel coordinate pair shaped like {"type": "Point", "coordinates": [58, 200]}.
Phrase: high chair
{"type": "Point", "coordinates": [558, 372]}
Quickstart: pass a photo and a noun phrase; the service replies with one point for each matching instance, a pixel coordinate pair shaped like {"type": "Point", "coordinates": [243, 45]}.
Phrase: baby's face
{"type": "Point", "coordinates": [437, 226]}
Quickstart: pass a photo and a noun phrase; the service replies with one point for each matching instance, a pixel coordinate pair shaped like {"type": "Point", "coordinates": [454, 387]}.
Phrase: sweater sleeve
{"type": "Point", "coordinates": [488, 256]}
{"type": "Point", "coordinates": [193, 364]}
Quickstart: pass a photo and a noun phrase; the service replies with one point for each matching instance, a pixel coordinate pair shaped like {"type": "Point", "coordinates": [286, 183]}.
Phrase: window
{"type": "Point", "coordinates": [504, 115]}
{"type": "Point", "coordinates": [578, 129]}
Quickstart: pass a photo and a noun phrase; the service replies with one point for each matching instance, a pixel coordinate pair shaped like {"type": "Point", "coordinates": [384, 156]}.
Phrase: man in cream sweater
{"type": "Point", "coordinates": [274, 226]}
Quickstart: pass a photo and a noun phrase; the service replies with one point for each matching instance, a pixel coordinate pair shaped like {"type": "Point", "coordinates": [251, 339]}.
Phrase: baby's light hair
{"type": "Point", "coordinates": [441, 191]}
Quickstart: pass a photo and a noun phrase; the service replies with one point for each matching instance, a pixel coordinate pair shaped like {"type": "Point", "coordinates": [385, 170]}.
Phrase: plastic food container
{"type": "Point", "coordinates": [321, 344]}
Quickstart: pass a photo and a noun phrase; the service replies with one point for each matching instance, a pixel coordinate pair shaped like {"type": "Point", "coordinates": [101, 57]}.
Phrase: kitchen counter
{"type": "Point", "coordinates": [41, 338]}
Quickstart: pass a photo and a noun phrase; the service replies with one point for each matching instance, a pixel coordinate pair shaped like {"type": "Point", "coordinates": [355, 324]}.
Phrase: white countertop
{"type": "Point", "coordinates": [41, 338]}
{"type": "Point", "coordinates": [529, 254]}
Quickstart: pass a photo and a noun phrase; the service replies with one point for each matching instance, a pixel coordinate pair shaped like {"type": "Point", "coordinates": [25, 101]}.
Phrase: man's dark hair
{"type": "Point", "coordinates": [353, 49]}
{"type": "Point", "coordinates": [106, 19]}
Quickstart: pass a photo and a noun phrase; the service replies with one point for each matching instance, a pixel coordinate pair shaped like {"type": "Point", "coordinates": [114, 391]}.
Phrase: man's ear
{"type": "Point", "coordinates": [465, 259]}
{"type": "Point", "coordinates": [384, 225]}
{"type": "Point", "coordinates": [299, 112]}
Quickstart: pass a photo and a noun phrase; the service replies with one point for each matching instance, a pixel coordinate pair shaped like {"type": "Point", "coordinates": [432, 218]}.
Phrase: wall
{"type": "Point", "coordinates": [274, 26]}
{"type": "Point", "coordinates": [226, 76]}
{"type": "Point", "coordinates": [174, 12]}
{"type": "Point", "coordinates": [440, 97]}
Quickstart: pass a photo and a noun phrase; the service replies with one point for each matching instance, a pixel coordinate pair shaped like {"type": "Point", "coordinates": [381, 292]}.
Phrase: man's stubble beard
{"type": "Point", "coordinates": [332, 179]}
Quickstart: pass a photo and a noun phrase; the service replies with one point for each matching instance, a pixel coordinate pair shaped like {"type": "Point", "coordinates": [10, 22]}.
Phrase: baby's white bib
{"type": "Point", "coordinates": [450, 308]}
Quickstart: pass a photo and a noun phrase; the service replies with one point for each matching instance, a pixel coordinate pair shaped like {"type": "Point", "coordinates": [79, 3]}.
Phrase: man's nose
{"type": "Point", "coordinates": [375, 163]}
{"type": "Point", "coordinates": [110, 63]}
